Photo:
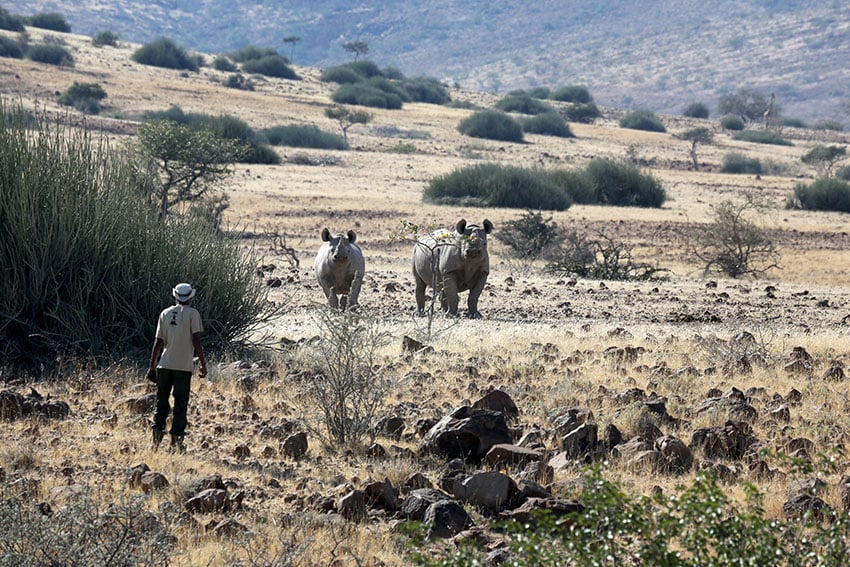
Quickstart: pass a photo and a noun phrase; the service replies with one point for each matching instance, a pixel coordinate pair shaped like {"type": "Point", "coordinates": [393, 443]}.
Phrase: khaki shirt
{"type": "Point", "coordinates": [175, 327]}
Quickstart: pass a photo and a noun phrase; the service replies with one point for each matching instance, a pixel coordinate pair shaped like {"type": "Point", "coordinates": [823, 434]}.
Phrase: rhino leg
{"type": "Point", "coordinates": [448, 295]}
{"type": "Point", "coordinates": [355, 290]}
{"type": "Point", "coordinates": [474, 294]}
{"type": "Point", "coordinates": [343, 302]}
{"type": "Point", "coordinates": [420, 295]}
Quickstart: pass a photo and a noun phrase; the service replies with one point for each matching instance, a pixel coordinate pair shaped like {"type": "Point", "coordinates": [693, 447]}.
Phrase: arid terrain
{"type": "Point", "coordinates": [549, 342]}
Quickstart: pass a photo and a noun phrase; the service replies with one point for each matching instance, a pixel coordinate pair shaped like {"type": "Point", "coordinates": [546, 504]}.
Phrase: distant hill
{"type": "Point", "coordinates": [655, 54]}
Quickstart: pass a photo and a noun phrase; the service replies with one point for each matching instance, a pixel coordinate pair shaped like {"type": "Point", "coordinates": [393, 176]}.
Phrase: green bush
{"type": "Point", "coordinates": [491, 125]}
{"type": "Point", "coordinates": [85, 97]}
{"type": "Point", "coordinates": [734, 162]}
{"type": "Point", "coordinates": [51, 54]}
{"type": "Point", "coordinates": [493, 185]}
{"type": "Point", "coordinates": [50, 21]}
{"type": "Point", "coordinates": [577, 183]}
{"type": "Point", "coordinates": [165, 53]}
{"type": "Point", "coordinates": [572, 93]}
{"type": "Point", "coordinates": [540, 92]}
{"type": "Point", "coordinates": [523, 104]}
{"type": "Point", "coordinates": [548, 124]}
{"type": "Point", "coordinates": [622, 184]}
{"type": "Point", "coordinates": [843, 173]}
{"type": "Point", "coordinates": [426, 89]}
{"type": "Point", "coordinates": [270, 66]}
{"type": "Point", "coordinates": [642, 120]}
{"type": "Point", "coordinates": [696, 110]}
{"type": "Point", "coordinates": [301, 136]}
{"type": "Point", "coordinates": [761, 137]}
{"type": "Point", "coordinates": [223, 63]}
{"type": "Point", "coordinates": [105, 38]}
{"type": "Point", "coordinates": [732, 122]}
{"type": "Point", "coordinates": [582, 113]}
{"type": "Point", "coordinates": [343, 74]}
{"type": "Point", "coordinates": [826, 194]}
{"type": "Point", "coordinates": [238, 81]}
{"type": "Point", "coordinates": [252, 52]}
{"type": "Point", "coordinates": [101, 265]}
{"type": "Point", "coordinates": [11, 48]}
{"type": "Point", "coordinates": [11, 22]}
{"type": "Point", "coordinates": [362, 94]}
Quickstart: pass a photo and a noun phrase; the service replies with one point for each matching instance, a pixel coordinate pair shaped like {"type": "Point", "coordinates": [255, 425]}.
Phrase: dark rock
{"type": "Point", "coordinates": [497, 400]}
{"type": "Point", "coordinates": [446, 518]}
{"type": "Point", "coordinates": [467, 433]}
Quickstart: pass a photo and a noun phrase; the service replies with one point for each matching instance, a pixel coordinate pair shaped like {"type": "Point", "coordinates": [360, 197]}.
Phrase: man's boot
{"type": "Point", "coordinates": [177, 445]}
{"type": "Point", "coordinates": [156, 439]}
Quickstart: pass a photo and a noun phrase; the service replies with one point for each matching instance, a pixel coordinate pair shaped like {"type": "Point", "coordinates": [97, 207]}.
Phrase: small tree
{"type": "Point", "coordinates": [190, 163]}
{"type": "Point", "coordinates": [697, 136]}
{"type": "Point", "coordinates": [824, 158]}
{"type": "Point", "coordinates": [346, 118]}
{"type": "Point", "coordinates": [358, 48]}
{"type": "Point", "coordinates": [291, 40]}
{"type": "Point", "coordinates": [749, 104]}
{"type": "Point", "coordinates": [531, 236]}
{"type": "Point", "coordinates": [733, 243]}
{"type": "Point", "coordinates": [696, 110]}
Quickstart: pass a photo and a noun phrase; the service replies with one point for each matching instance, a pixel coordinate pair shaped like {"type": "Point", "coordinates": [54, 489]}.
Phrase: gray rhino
{"type": "Point", "coordinates": [339, 268]}
{"type": "Point", "coordinates": [454, 262]}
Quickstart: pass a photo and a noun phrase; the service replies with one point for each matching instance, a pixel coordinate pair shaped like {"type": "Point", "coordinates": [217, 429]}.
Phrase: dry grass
{"type": "Point", "coordinates": [373, 191]}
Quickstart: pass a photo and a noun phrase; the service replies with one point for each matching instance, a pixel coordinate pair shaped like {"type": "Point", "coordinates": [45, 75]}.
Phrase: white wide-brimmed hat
{"type": "Point", "coordinates": [183, 292]}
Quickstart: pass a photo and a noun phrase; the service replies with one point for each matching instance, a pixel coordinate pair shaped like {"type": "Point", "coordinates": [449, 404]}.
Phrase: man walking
{"type": "Point", "coordinates": [178, 333]}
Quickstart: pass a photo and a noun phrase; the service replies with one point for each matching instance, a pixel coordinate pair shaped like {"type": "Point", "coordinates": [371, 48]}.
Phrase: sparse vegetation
{"type": "Point", "coordinates": [365, 84]}
{"type": "Point", "coordinates": [582, 113]}
{"type": "Point", "coordinates": [239, 81]}
{"type": "Point", "coordinates": [824, 158]}
{"type": "Point", "coordinates": [10, 22]}
{"type": "Point", "coordinates": [746, 103]}
{"type": "Point", "coordinates": [642, 120]}
{"type": "Point", "coordinates": [50, 53]}
{"type": "Point", "coordinates": [165, 53]}
{"type": "Point", "coordinates": [491, 125]}
{"type": "Point", "coordinates": [733, 243]}
{"type": "Point", "coordinates": [761, 137]}
{"type": "Point", "coordinates": [523, 104]}
{"type": "Point", "coordinates": [826, 194]}
{"type": "Point", "coordinates": [302, 136]}
{"type": "Point", "coordinates": [531, 236]}
{"type": "Point", "coordinates": [599, 258]}
{"type": "Point", "coordinates": [270, 66]}
{"type": "Point", "coordinates": [346, 118]}
{"type": "Point", "coordinates": [11, 48]}
{"type": "Point", "coordinates": [735, 162]}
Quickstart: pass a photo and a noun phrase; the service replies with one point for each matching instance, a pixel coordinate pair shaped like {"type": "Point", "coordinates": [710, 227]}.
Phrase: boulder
{"type": "Point", "coordinates": [294, 446]}
{"type": "Point", "coordinates": [490, 492]}
{"type": "Point", "coordinates": [505, 455]}
{"type": "Point", "coordinates": [417, 502]}
{"type": "Point", "coordinates": [467, 433]}
{"type": "Point", "coordinates": [446, 518]}
{"type": "Point", "coordinates": [497, 400]}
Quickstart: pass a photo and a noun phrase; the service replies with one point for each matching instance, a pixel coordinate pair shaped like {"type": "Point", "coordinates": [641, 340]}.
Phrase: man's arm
{"type": "Point", "coordinates": [199, 351]}
{"type": "Point", "coordinates": [155, 352]}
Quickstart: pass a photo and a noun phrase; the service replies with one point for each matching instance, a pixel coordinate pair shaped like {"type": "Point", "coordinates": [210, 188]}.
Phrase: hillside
{"type": "Point", "coordinates": [656, 54]}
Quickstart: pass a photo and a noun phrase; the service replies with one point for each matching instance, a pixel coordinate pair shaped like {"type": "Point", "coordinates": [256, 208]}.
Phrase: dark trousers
{"type": "Point", "coordinates": [177, 382]}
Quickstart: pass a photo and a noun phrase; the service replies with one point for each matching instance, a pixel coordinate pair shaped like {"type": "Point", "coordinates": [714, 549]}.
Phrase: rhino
{"type": "Point", "coordinates": [453, 262]}
{"type": "Point", "coordinates": [339, 268]}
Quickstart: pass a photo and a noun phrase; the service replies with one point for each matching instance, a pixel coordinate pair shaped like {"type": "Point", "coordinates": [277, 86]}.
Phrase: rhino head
{"type": "Point", "coordinates": [473, 241]}
{"type": "Point", "coordinates": [340, 244]}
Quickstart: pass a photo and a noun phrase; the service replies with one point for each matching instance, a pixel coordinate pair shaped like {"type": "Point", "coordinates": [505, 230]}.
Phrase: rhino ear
{"type": "Point", "coordinates": [488, 226]}
{"type": "Point", "coordinates": [326, 235]}
{"type": "Point", "coordinates": [352, 236]}
{"type": "Point", "coordinates": [461, 226]}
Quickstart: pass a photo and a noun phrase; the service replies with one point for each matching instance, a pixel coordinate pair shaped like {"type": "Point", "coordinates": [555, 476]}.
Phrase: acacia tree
{"type": "Point", "coordinates": [190, 163]}
{"type": "Point", "coordinates": [291, 40]}
{"type": "Point", "coordinates": [824, 158]}
{"type": "Point", "coordinates": [697, 136]}
{"type": "Point", "coordinates": [358, 48]}
{"type": "Point", "coordinates": [346, 118]}
{"type": "Point", "coordinates": [746, 102]}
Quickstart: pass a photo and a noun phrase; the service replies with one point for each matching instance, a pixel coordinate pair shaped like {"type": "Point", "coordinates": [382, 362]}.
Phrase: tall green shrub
{"type": "Point", "coordinates": [492, 125]}
{"type": "Point", "coordinates": [696, 110]}
{"type": "Point", "coordinates": [548, 124]}
{"type": "Point", "coordinates": [734, 162]}
{"type": "Point", "coordinates": [163, 52]}
{"type": "Point", "coordinates": [497, 186]}
{"type": "Point", "coordinates": [761, 137]}
{"type": "Point", "coordinates": [303, 136]}
{"type": "Point", "coordinates": [11, 22]}
{"type": "Point", "coordinates": [50, 21]}
{"type": "Point", "coordinates": [86, 264]}
{"type": "Point", "coordinates": [270, 66]}
{"type": "Point", "coordinates": [11, 48]}
{"type": "Point", "coordinates": [642, 120]}
{"type": "Point", "coordinates": [572, 93]}
{"type": "Point", "coordinates": [623, 184]}
{"type": "Point", "coordinates": [523, 104]}
{"type": "Point", "coordinates": [826, 194]}
{"type": "Point", "coordinates": [583, 113]}
{"type": "Point", "coordinates": [51, 54]}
